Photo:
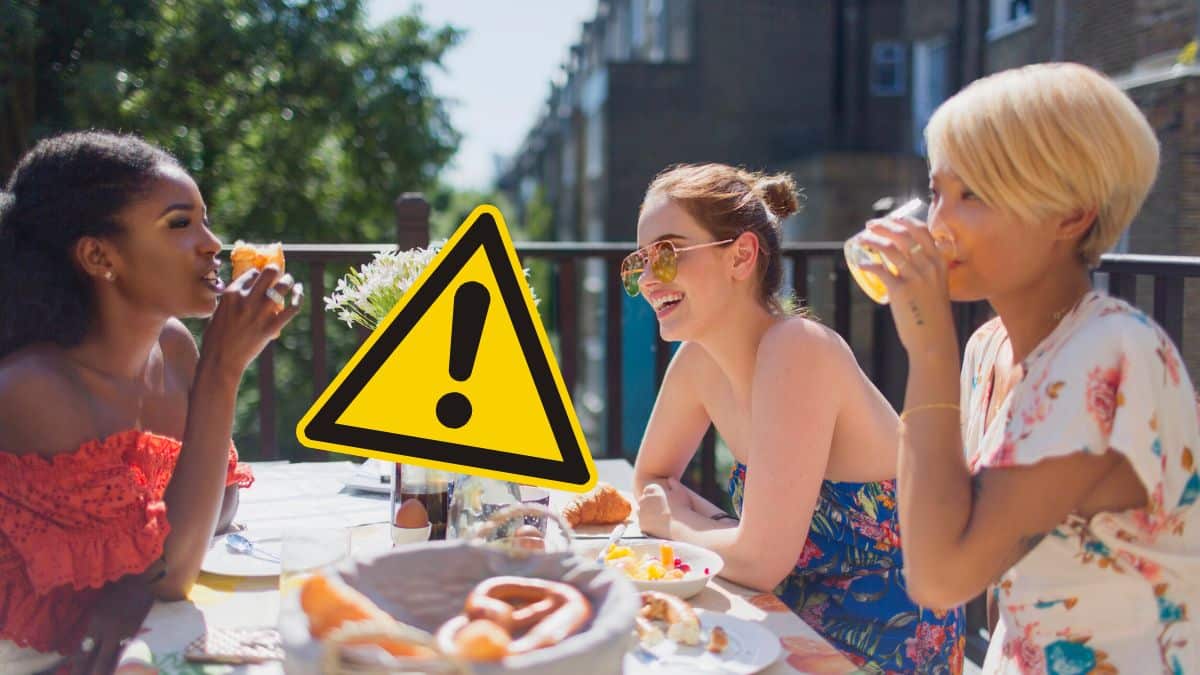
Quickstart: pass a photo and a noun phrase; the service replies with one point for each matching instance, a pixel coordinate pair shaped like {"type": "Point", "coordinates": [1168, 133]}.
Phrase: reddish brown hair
{"type": "Point", "coordinates": [728, 201]}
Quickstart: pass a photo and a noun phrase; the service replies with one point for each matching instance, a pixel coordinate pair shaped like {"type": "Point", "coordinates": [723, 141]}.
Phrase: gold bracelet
{"type": "Point", "coordinates": [928, 406]}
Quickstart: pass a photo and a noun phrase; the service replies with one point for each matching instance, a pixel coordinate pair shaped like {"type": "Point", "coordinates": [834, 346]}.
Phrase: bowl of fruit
{"type": "Point", "coordinates": [673, 567]}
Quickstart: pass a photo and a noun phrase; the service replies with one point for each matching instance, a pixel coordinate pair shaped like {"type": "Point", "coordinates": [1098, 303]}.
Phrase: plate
{"type": "Point", "coordinates": [220, 560]}
{"type": "Point", "coordinates": [698, 557]}
{"type": "Point", "coordinates": [372, 475]}
{"type": "Point", "coordinates": [751, 649]}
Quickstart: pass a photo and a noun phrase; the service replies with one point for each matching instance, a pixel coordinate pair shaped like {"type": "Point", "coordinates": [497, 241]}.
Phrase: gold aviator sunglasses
{"type": "Point", "coordinates": [663, 258]}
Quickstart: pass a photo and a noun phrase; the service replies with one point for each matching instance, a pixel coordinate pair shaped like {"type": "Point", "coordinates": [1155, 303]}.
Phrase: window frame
{"type": "Point", "coordinates": [1000, 26]}
{"type": "Point", "coordinates": [899, 63]}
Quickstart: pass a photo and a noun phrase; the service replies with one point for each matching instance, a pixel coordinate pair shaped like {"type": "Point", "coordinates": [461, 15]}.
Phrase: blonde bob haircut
{"type": "Point", "coordinates": [1049, 140]}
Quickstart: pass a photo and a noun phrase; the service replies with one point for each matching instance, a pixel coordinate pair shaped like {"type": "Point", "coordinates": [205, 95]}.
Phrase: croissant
{"type": "Point", "coordinates": [602, 506]}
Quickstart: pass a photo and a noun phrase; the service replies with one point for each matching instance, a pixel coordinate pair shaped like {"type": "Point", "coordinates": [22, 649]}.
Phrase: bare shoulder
{"type": "Point", "coordinates": [801, 341]}
{"type": "Point", "coordinates": [42, 409]}
{"type": "Point", "coordinates": [690, 361]}
{"type": "Point", "coordinates": [179, 349]}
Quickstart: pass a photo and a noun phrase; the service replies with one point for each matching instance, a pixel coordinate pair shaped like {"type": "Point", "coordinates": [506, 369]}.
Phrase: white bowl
{"type": "Point", "coordinates": [410, 535]}
{"type": "Point", "coordinates": [697, 557]}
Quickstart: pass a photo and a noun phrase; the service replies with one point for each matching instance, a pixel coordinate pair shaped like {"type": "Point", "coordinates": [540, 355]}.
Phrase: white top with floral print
{"type": "Point", "coordinates": [1113, 593]}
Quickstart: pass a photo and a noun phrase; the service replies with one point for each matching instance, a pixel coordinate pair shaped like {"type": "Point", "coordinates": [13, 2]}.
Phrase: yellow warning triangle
{"type": "Point", "coordinates": [459, 376]}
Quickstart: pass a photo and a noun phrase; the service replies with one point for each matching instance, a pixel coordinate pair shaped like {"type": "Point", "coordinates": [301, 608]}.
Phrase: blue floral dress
{"type": "Point", "coordinates": [847, 584]}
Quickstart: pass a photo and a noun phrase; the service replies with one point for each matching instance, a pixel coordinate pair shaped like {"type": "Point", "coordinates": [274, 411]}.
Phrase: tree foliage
{"type": "Point", "coordinates": [299, 121]}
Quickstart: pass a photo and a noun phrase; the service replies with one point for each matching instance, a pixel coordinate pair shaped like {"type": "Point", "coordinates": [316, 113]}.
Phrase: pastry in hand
{"type": "Point", "coordinates": [602, 506]}
{"type": "Point", "coordinates": [246, 256]}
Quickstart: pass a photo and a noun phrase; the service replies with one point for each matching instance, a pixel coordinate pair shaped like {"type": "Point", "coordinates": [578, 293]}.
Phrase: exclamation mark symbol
{"type": "Point", "coordinates": [470, 309]}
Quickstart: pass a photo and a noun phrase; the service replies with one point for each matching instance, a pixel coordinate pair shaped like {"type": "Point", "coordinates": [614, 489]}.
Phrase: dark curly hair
{"type": "Point", "coordinates": [66, 187]}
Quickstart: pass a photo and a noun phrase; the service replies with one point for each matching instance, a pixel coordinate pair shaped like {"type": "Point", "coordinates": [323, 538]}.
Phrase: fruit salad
{"type": "Point", "coordinates": [647, 566]}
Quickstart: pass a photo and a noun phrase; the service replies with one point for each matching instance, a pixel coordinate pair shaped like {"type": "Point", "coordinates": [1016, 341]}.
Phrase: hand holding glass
{"type": "Point", "coordinates": [859, 252]}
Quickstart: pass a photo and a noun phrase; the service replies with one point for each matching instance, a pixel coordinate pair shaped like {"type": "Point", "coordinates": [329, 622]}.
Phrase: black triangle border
{"type": "Point", "coordinates": [483, 233]}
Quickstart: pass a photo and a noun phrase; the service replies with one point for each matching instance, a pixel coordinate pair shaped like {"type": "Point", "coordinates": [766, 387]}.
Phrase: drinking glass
{"type": "Point", "coordinates": [536, 495]}
{"type": "Point", "coordinates": [306, 552]}
{"type": "Point", "coordinates": [428, 486]}
{"type": "Point", "coordinates": [859, 252]}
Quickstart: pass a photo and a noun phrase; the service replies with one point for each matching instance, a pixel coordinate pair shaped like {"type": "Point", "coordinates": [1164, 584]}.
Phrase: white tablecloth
{"type": "Point", "coordinates": [314, 494]}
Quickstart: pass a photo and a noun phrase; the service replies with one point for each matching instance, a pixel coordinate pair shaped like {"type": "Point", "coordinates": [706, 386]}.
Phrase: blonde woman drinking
{"type": "Point", "coordinates": [1076, 495]}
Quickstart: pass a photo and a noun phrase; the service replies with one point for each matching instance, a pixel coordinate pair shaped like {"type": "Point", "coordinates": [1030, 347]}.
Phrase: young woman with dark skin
{"type": "Point", "coordinates": [116, 460]}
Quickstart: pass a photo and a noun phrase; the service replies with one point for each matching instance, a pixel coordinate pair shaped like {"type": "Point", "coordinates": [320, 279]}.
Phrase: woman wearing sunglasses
{"type": "Point", "coordinates": [814, 441]}
{"type": "Point", "coordinates": [1077, 494]}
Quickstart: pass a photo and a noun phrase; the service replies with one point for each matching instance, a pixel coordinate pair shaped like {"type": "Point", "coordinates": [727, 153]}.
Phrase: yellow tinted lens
{"type": "Point", "coordinates": [664, 261]}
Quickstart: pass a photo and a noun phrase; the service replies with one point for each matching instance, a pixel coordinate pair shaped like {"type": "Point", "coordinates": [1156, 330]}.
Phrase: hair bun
{"type": "Point", "coordinates": [779, 192]}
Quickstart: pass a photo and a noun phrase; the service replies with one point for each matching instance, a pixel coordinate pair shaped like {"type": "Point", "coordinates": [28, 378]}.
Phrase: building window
{"type": "Point", "coordinates": [656, 21]}
{"type": "Point", "coordinates": [637, 26]}
{"type": "Point", "coordinates": [594, 157]}
{"type": "Point", "coordinates": [930, 87]}
{"type": "Point", "coordinates": [679, 47]}
{"type": "Point", "coordinates": [1009, 16]}
{"type": "Point", "coordinates": [887, 69]}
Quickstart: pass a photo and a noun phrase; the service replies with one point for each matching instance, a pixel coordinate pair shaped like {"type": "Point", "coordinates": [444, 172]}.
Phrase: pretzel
{"type": "Point", "coordinates": [682, 623]}
{"type": "Point", "coordinates": [542, 612]}
{"type": "Point", "coordinates": [478, 640]}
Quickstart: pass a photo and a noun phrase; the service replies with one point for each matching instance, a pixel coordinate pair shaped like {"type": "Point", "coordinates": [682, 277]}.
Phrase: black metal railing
{"type": "Point", "coordinates": [310, 262]}
{"type": "Point", "coordinates": [815, 269]}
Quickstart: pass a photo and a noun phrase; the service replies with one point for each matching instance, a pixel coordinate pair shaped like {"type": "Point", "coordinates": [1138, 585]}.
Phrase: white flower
{"type": "Point", "coordinates": [366, 295]}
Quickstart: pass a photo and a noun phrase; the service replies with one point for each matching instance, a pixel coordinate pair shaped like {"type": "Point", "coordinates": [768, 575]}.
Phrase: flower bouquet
{"type": "Point", "coordinates": [366, 295]}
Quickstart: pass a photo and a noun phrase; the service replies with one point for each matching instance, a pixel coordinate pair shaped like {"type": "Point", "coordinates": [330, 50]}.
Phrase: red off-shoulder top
{"type": "Point", "coordinates": [72, 522]}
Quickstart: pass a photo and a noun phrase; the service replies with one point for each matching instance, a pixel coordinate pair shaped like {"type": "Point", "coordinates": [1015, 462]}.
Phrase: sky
{"type": "Point", "coordinates": [498, 76]}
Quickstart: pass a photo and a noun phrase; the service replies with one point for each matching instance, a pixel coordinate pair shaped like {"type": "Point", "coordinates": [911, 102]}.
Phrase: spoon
{"type": "Point", "coordinates": [612, 540]}
{"type": "Point", "coordinates": [239, 544]}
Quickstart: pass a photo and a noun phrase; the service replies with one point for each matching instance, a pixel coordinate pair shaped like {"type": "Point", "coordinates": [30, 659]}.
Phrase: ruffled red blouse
{"type": "Point", "coordinates": [72, 522]}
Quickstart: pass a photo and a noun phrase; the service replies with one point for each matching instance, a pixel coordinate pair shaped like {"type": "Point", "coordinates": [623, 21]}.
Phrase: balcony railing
{"type": "Point", "coordinates": [310, 262]}
{"type": "Point", "coordinates": [815, 270]}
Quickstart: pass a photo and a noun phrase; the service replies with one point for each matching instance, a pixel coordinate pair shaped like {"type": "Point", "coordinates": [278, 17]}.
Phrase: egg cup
{"type": "Point", "coordinates": [410, 535]}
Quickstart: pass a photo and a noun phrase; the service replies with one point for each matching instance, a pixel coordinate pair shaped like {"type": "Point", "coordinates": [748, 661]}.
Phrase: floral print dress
{"type": "Point", "coordinates": [848, 584]}
{"type": "Point", "coordinates": [1115, 593]}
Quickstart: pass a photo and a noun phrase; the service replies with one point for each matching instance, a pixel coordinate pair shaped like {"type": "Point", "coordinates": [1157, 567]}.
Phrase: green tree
{"type": "Point", "coordinates": [450, 206]}
{"type": "Point", "coordinates": [299, 121]}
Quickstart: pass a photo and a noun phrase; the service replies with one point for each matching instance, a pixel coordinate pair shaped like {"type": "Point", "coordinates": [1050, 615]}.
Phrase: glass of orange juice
{"type": "Point", "coordinates": [859, 252]}
{"type": "Point", "coordinates": [306, 552]}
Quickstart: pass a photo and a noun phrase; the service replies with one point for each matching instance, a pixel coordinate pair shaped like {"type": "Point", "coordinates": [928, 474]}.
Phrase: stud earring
{"type": "Point", "coordinates": [108, 275]}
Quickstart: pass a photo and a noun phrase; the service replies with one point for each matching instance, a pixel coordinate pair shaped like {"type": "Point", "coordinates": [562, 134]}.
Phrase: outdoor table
{"type": "Point", "coordinates": [314, 494]}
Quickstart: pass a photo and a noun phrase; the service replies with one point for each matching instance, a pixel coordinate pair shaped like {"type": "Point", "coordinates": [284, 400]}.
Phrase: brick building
{"type": "Point", "coordinates": [1137, 43]}
{"type": "Point", "coordinates": [837, 92]}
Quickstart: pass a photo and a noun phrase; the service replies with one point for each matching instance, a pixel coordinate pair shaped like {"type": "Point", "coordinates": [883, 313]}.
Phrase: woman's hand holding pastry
{"type": "Point", "coordinates": [249, 316]}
